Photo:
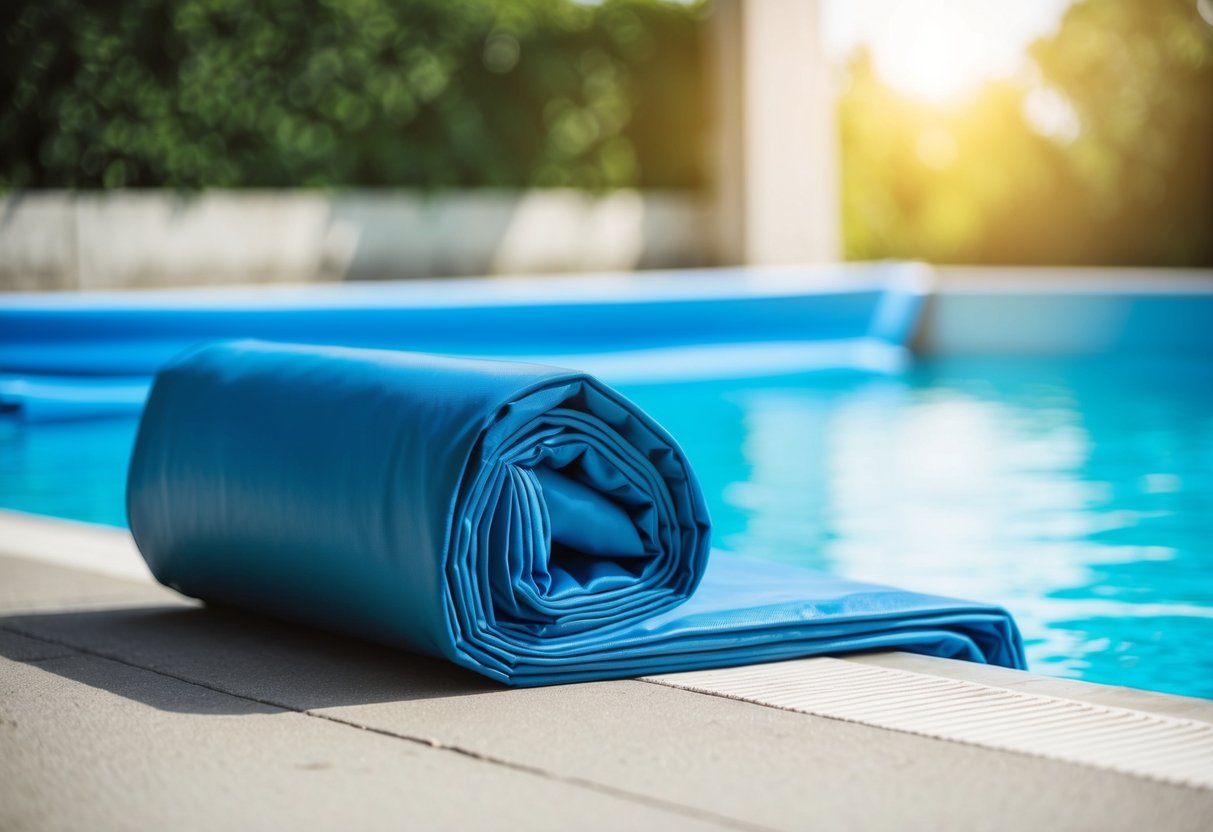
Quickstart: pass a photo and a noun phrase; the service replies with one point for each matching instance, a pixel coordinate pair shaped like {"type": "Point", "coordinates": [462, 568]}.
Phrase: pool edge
{"type": "Point", "coordinates": [110, 551]}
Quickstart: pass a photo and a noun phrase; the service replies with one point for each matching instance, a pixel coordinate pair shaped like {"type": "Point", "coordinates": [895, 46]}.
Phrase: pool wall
{"type": "Point", "coordinates": [91, 354]}
{"type": "Point", "coordinates": [1067, 311]}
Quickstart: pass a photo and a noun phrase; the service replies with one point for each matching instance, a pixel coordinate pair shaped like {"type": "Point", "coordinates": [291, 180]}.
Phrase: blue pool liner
{"type": "Point", "coordinates": [526, 522]}
{"type": "Point", "coordinates": [83, 355]}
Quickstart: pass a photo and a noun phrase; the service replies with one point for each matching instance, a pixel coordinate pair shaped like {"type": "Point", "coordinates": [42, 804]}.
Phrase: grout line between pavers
{"type": "Point", "coordinates": [578, 782]}
{"type": "Point", "coordinates": [36, 659]}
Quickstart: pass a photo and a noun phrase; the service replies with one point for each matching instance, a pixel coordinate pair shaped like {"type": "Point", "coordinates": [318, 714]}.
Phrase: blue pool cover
{"type": "Point", "coordinates": [522, 521]}
{"type": "Point", "coordinates": [93, 354]}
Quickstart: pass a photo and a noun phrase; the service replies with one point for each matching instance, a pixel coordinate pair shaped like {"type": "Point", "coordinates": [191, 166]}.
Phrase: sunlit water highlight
{"type": "Point", "coordinates": [1077, 494]}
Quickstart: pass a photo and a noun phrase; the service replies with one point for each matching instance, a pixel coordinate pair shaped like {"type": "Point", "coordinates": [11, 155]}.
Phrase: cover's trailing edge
{"type": "Point", "coordinates": [523, 521]}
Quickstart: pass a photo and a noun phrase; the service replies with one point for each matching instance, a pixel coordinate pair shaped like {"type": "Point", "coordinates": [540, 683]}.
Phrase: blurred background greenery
{"type": "Point", "coordinates": [1103, 154]}
{"type": "Point", "coordinates": [1100, 154]}
{"type": "Point", "coordinates": [309, 93]}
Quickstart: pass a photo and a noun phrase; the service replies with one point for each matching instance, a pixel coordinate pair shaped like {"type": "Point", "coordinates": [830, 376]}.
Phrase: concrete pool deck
{"type": "Point", "coordinates": [123, 705]}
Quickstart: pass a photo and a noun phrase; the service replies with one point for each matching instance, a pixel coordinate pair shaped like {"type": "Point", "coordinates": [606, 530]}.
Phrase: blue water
{"type": "Point", "coordinates": [1079, 494]}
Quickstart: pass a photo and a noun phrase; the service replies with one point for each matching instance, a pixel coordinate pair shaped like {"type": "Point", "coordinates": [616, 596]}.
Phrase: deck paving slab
{"type": "Point", "coordinates": [95, 744]}
{"type": "Point", "coordinates": [160, 677]}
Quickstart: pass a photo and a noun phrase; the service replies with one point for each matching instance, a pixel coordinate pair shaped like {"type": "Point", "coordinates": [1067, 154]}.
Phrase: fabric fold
{"type": "Point", "coordinates": [523, 521]}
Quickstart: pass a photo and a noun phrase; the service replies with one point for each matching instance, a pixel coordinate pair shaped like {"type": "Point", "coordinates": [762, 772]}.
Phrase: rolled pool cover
{"type": "Point", "coordinates": [526, 522]}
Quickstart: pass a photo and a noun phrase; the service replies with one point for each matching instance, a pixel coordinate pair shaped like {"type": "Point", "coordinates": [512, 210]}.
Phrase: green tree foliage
{"type": "Point", "coordinates": [277, 93]}
{"type": "Point", "coordinates": [1106, 157]}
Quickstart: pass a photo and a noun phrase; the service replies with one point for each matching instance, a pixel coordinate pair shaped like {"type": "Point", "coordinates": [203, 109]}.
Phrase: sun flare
{"type": "Point", "coordinates": [940, 49]}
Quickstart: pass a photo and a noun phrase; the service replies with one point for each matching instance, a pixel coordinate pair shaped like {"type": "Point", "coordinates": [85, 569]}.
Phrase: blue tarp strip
{"type": "Point", "coordinates": [65, 356]}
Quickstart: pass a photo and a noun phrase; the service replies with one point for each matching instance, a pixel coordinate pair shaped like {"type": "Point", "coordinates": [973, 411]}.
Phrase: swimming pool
{"type": "Point", "coordinates": [1068, 474]}
{"type": "Point", "coordinates": [1077, 493]}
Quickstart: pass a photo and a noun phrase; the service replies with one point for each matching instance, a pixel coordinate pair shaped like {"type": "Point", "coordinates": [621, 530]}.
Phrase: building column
{"type": "Point", "coordinates": [776, 169]}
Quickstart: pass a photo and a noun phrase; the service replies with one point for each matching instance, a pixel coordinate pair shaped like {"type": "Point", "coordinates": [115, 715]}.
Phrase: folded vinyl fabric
{"type": "Point", "coordinates": [523, 521]}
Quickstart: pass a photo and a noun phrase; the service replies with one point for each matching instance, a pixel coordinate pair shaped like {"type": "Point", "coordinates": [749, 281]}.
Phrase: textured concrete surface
{"type": "Point", "coordinates": [96, 744]}
{"type": "Point", "coordinates": [122, 706]}
{"type": "Point", "coordinates": [31, 585]}
{"type": "Point", "coordinates": [86, 546]}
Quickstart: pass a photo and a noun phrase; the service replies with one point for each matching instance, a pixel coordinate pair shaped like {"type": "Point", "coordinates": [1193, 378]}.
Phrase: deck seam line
{"type": "Point", "coordinates": [578, 782]}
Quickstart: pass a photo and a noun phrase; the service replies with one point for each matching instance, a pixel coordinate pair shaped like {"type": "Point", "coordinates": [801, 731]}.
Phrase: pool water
{"type": "Point", "coordinates": [1077, 493]}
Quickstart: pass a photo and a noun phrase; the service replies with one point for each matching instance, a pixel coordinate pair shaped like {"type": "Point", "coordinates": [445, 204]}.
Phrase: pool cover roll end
{"type": "Point", "coordinates": [523, 521]}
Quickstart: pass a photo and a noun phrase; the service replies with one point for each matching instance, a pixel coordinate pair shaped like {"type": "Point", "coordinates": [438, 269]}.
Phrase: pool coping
{"type": "Point", "coordinates": [110, 551]}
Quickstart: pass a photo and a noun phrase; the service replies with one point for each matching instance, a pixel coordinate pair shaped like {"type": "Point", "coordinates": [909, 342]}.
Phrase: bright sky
{"type": "Point", "coordinates": [939, 49]}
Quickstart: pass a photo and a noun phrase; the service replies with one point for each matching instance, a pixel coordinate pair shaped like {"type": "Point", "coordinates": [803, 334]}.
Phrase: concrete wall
{"type": "Point", "coordinates": [60, 240]}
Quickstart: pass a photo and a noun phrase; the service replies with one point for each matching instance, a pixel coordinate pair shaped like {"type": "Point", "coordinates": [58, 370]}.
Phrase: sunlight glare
{"type": "Point", "coordinates": [939, 49]}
